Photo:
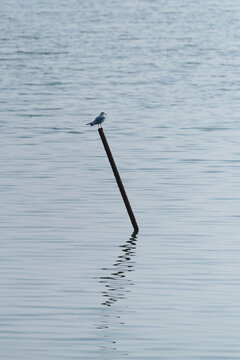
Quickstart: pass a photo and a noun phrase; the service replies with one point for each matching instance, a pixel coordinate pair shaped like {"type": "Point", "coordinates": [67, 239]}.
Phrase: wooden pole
{"type": "Point", "coordinates": [118, 180]}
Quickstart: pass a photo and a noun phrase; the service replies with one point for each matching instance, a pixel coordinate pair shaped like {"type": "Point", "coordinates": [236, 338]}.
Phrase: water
{"type": "Point", "coordinates": [74, 283]}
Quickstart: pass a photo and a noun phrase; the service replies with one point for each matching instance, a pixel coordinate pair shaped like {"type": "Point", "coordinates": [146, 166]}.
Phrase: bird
{"type": "Point", "coordinates": [99, 120]}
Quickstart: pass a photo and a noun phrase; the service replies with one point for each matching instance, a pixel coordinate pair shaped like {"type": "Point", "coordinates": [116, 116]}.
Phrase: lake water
{"type": "Point", "coordinates": [74, 282]}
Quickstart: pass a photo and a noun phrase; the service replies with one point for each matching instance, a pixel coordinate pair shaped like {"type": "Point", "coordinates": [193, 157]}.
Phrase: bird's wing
{"type": "Point", "coordinates": [98, 119]}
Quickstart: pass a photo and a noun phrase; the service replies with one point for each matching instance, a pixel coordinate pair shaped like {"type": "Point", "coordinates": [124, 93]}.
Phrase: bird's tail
{"type": "Point", "coordinates": [89, 124]}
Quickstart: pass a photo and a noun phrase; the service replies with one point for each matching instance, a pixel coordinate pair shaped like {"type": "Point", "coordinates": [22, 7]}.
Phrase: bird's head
{"type": "Point", "coordinates": [103, 113]}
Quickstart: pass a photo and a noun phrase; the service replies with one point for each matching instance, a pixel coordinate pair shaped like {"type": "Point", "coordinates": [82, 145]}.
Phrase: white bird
{"type": "Point", "coordinates": [99, 120]}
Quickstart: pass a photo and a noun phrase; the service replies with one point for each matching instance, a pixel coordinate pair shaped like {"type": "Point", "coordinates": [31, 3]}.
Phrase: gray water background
{"type": "Point", "coordinates": [74, 284]}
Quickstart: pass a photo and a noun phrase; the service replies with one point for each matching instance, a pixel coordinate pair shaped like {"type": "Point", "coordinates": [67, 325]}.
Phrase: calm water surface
{"type": "Point", "coordinates": [74, 283]}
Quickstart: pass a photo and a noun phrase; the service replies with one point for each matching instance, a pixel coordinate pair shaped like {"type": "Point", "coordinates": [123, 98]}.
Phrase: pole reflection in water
{"type": "Point", "coordinates": [116, 283]}
{"type": "Point", "coordinates": [116, 287]}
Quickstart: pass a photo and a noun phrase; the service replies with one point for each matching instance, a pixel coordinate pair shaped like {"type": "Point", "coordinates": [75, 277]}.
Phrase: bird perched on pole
{"type": "Point", "coordinates": [99, 120]}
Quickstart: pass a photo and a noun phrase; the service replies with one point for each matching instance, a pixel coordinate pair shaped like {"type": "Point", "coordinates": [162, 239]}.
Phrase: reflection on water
{"type": "Point", "coordinates": [116, 286]}
{"type": "Point", "coordinates": [116, 283]}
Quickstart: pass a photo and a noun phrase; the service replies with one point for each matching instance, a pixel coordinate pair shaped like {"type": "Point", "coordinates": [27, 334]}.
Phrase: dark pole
{"type": "Point", "coordinates": [118, 179]}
